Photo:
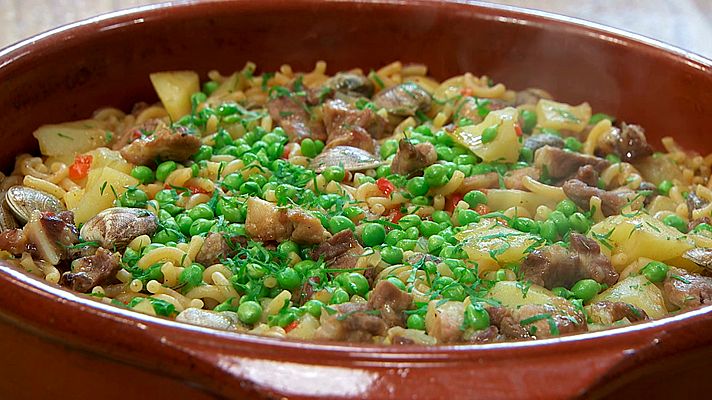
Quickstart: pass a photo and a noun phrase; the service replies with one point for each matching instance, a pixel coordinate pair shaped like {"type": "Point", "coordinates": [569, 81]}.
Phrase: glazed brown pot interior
{"type": "Point", "coordinates": [69, 73]}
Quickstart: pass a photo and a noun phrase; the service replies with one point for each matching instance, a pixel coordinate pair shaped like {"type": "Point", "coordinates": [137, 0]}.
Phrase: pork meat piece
{"type": "Point", "coordinates": [391, 302]}
{"type": "Point", "coordinates": [293, 115]}
{"type": "Point", "coordinates": [535, 142]}
{"type": "Point", "coordinates": [684, 290]}
{"type": "Point", "coordinates": [608, 312]}
{"type": "Point", "coordinates": [352, 322]}
{"type": "Point", "coordinates": [412, 158]}
{"type": "Point", "coordinates": [561, 164]}
{"type": "Point", "coordinates": [514, 179]}
{"type": "Point", "coordinates": [50, 234]}
{"type": "Point", "coordinates": [91, 271]}
{"type": "Point", "coordinates": [307, 229]}
{"type": "Point", "coordinates": [164, 144]}
{"type": "Point", "coordinates": [556, 266]}
{"type": "Point", "coordinates": [628, 143]}
{"type": "Point", "coordinates": [612, 202]}
{"type": "Point", "coordinates": [267, 222]}
{"type": "Point", "coordinates": [341, 251]}
{"type": "Point", "coordinates": [403, 100]}
{"type": "Point", "coordinates": [501, 318]}
{"type": "Point", "coordinates": [550, 320]}
{"type": "Point", "coordinates": [215, 248]}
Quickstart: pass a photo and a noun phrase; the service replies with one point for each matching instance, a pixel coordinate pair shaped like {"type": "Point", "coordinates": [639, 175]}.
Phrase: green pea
{"type": "Point", "coordinates": [200, 225]}
{"type": "Point", "coordinates": [436, 175]}
{"type": "Point", "coordinates": [572, 144]}
{"type": "Point", "coordinates": [466, 217]}
{"type": "Point", "coordinates": [143, 174]}
{"type": "Point", "coordinates": [373, 234]}
{"type": "Point", "coordinates": [579, 222]}
{"type": "Point", "coordinates": [567, 207]}
{"type": "Point", "coordinates": [415, 321]}
{"type": "Point", "coordinates": [525, 225]}
{"type": "Point", "coordinates": [561, 222]}
{"type": "Point", "coordinates": [308, 148]}
{"type": "Point", "coordinates": [165, 236]}
{"type": "Point", "coordinates": [548, 231]}
{"type": "Point", "coordinates": [410, 220]}
{"type": "Point", "coordinates": [396, 282]}
{"type": "Point", "coordinates": [191, 276]}
{"type": "Point", "coordinates": [353, 283]}
{"type": "Point", "coordinates": [319, 146]}
{"type": "Point", "coordinates": [429, 228]}
{"type": "Point", "coordinates": [250, 188]}
{"type": "Point", "coordinates": [500, 275]}
{"type": "Point", "coordinates": [304, 266]}
{"type": "Point", "coordinates": [210, 86]}
{"type": "Point", "coordinates": [286, 248]}
{"type": "Point", "coordinates": [339, 296]}
{"type": "Point", "coordinates": [255, 271]}
{"type": "Point", "coordinates": [420, 200]}
{"type": "Point", "coordinates": [450, 251]}
{"type": "Point", "coordinates": [586, 289]}
{"type": "Point", "coordinates": [339, 223]}
{"type": "Point", "coordinates": [165, 169]}
{"type": "Point", "coordinates": [528, 121]}
{"type": "Point", "coordinates": [664, 187]}
{"type": "Point", "coordinates": [464, 275]}
{"type": "Point", "coordinates": [702, 227]}
{"type": "Point", "coordinates": [476, 317]}
{"type": "Point", "coordinates": [201, 211]}
{"type": "Point", "coordinates": [412, 233]}
{"type": "Point", "coordinates": [288, 278]}
{"type": "Point", "coordinates": [314, 307]}
{"type": "Point", "coordinates": [233, 181]}
{"type": "Point", "coordinates": [475, 197]}
{"type": "Point", "coordinates": [205, 152]}
{"type": "Point", "coordinates": [389, 148]}
{"type": "Point", "coordinates": [489, 134]}
{"type": "Point", "coordinates": [352, 212]}
{"type": "Point", "coordinates": [440, 216]}
{"type": "Point", "coordinates": [526, 155]}
{"type": "Point", "coordinates": [392, 255]}
{"type": "Point", "coordinates": [184, 222]}
{"type": "Point", "coordinates": [676, 222]}
{"type": "Point", "coordinates": [443, 138]}
{"type": "Point", "coordinates": [275, 150]}
{"type": "Point", "coordinates": [394, 237]}
{"type": "Point", "coordinates": [465, 159]}
{"type": "Point", "coordinates": [435, 243]}
{"type": "Point", "coordinates": [655, 271]}
{"type": "Point", "coordinates": [417, 186]}
{"type": "Point", "coordinates": [334, 173]}
{"type": "Point", "coordinates": [249, 312]}
{"type": "Point", "coordinates": [134, 197]}
{"type": "Point", "coordinates": [562, 292]}
{"type": "Point", "coordinates": [449, 288]}
{"type": "Point", "coordinates": [444, 153]}
{"type": "Point", "coordinates": [407, 244]}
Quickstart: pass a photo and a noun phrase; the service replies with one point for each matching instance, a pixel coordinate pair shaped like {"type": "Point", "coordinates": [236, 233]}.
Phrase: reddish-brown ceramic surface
{"type": "Point", "coordinates": [55, 344]}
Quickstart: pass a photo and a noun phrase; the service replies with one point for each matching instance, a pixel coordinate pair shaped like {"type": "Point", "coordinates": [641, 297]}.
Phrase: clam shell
{"type": "Point", "coordinates": [351, 158]}
{"type": "Point", "coordinates": [117, 226]}
{"type": "Point", "coordinates": [23, 201]}
{"type": "Point", "coordinates": [701, 256]}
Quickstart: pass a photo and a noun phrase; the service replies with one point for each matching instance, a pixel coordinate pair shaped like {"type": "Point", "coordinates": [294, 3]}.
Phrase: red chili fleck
{"type": "Point", "coordinates": [291, 326]}
{"type": "Point", "coordinates": [136, 135]}
{"type": "Point", "coordinates": [518, 129]}
{"type": "Point", "coordinates": [196, 189]}
{"type": "Point", "coordinates": [482, 209]}
{"type": "Point", "coordinates": [451, 201]}
{"type": "Point", "coordinates": [396, 215]}
{"type": "Point", "coordinates": [386, 186]}
{"type": "Point", "coordinates": [81, 166]}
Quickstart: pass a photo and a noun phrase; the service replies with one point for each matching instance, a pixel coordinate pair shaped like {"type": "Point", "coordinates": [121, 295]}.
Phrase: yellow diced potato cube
{"type": "Point", "coordinates": [103, 185]}
{"type": "Point", "coordinates": [503, 147]}
{"type": "Point", "coordinates": [489, 241]}
{"type": "Point", "coordinates": [174, 88]}
{"type": "Point", "coordinates": [104, 157]}
{"type": "Point", "coordinates": [638, 291]}
{"type": "Point", "coordinates": [553, 115]}
{"type": "Point", "coordinates": [514, 294]}
{"type": "Point", "coordinates": [73, 198]}
{"type": "Point", "coordinates": [71, 138]}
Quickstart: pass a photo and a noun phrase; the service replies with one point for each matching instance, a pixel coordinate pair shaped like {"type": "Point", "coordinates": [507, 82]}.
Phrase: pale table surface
{"type": "Point", "coordinates": [684, 23]}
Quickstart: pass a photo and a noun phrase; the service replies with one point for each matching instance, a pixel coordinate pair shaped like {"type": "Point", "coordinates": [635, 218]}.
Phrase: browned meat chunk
{"type": "Point", "coordinates": [146, 128]}
{"type": "Point", "coordinates": [292, 114]}
{"type": "Point", "coordinates": [391, 302]}
{"type": "Point", "coordinates": [91, 271]}
{"type": "Point", "coordinates": [685, 290]}
{"type": "Point", "coordinates": [306, 292]}
{"type": "Point", "coordinates": [307, 227]}
{"type": "Point", "coordinates": [14, 241]}
{"type": "Point", "coordinates": [560, 164]}
{"type": "Point", "coordinates": [547, 320]}
{"type": "Point", "coordinates": [555, 266]}
{"type": "Point", "coordinates": [349, 126]}
{"type": "Point", "coordinates": [489, 180]}
{"type": "Point", "coordinates": [487, 335]}
{"type": "Point", "coordinates": [412, 158]}
{"type": "Point", "coordinates": [611, 201]}
{"type": "Point", "coordinates": [350, 84]}
{"type": "Point", "coordinates": [49, 235]}
{"type": "Point", "coordinates": [163, 144]}
{"type": "Point", "coordinates": [267, 222]}
{"type": "Point", "coordinates": [694, 202]}
{"type": "Point", "coordinates": [535, 142]}
{"type": "Point", "coordinates": [608, 312]}
{"type": "Point", "coordinates": [403, 100]}
{"type": "Point", "coordinates": [352, 322]}
{"type": "Point", "coordinates": [215, 248]}
{"type": "Point", "coordinates": [588, 175]}
{"type": "Point", "coordinates": [514, 179]}
{"type": "Point", "coordinates": [531, 96]}
{"type": "Point", "coordinates": [628, 143]}
{"type": "Point", "coordinates": [501, 318]}
{"type": "Point", "coordinates": [341, 251]}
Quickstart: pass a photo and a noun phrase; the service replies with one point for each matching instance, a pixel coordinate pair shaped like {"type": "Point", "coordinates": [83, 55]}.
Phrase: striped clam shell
{"type": "Point", "coordinates": [23, 201]}
{"type": "Point", "coordinates": [115, 227]}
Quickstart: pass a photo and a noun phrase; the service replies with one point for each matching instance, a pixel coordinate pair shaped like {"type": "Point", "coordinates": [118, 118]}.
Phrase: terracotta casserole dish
{"type": "Point", "coordinates": [57, 344]}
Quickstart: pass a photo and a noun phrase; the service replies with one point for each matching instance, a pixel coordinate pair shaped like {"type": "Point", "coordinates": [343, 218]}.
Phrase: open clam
{"type": "Point", "coordinates": [116, 227]}
{"type": "Point", "coordinates": [351, 158]}
{"type": "Point", "coordinates": [23, 201]}
{"type": "Point", "coordinates": [701, 256]}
